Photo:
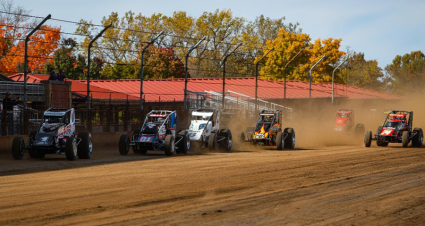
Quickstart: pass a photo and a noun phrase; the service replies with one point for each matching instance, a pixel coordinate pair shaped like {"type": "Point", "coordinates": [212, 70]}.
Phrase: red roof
{"type": "Point", "coordinates": [172, 89]}
{"type": "Point", "coordinates": [78, 88]}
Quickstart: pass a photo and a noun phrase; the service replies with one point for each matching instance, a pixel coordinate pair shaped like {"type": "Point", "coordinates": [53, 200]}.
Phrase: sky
{"type": "Point", "coordinates": [381, 29]}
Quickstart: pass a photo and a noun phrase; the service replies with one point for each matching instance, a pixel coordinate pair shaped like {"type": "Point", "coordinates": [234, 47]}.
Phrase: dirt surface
{"type": "Point", "coordinates": [343, 185]}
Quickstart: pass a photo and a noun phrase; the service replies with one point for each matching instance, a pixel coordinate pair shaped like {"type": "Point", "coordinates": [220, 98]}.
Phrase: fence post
{"type": "Point", "coordinates": [4, 123]}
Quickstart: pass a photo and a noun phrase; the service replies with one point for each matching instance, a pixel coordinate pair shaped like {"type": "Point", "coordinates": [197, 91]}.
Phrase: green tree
{"type": "Point", "coordinates": [407, 72]}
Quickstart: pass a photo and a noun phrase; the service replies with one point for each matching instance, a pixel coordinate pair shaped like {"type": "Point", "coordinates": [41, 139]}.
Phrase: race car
{"type": "Point", "coordinates": [397, 128]}
{"type": "Point", "coordinates": [158, 133]}
{"type": "Point", "coordinates": [268, 131]}
{"type": "Point", "coordinates": [56, 135]}
{"type": "Point", "coordinates": [205, 130]}
{"type": "Point", "coordinates": [344, 123]}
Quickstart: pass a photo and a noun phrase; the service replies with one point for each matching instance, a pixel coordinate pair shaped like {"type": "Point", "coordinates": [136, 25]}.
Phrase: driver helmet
{"type": "Point", "coordinates": [268, 118]}
{"type": "Point", "coordinates": [160, 119]}
{"type": "Point", "coordinates": [205, 117]}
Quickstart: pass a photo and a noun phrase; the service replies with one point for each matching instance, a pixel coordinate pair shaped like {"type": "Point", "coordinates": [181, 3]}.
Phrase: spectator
{"type": "Point", "coordinates": [8, 104]}
{"type": "Point", "coordinates": [61, 76]}
{"type": "Point", "coordinates": [52, 75]}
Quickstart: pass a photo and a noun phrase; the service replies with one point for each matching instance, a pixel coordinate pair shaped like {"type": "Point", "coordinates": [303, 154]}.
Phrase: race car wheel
{"type": "Point", "coordinates": [290, 139]}
{"type": "Point", "coordinates": [280, 141]}
{"type": "Point", "coordinates": [124, 144]}
{"type": "Point", "coordinates": [227, 143]}
{"type": "Point", "coordinates": [71, 149]}
{"type": "Point", "coordinates": [184, 144]}
{"type": "Point", "coordinates": [18, 148]}
{"type": "Point", "coordinates": [136, 149]}
{"type": "Point", "coordinates": [368, 138]}
{"type": "Point", "coordinates": [378, 131]}
{"type": "Point", "coordinates": [85, 147]}
{"type": "Point", "coordinates": [418, 139]}
{"type": "Point", "coordinates": [169, 145]}
{"type": "Point", "coordinates": [212, 142]}
{"type": "Point", "coordinates": [405, 139]}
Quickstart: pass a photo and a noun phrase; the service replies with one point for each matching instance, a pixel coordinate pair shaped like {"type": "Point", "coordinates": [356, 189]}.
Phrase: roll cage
{"type": "Point", "coordinates": [408, 117]}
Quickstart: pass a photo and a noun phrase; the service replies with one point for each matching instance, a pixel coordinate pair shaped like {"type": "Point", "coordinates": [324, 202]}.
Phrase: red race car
{"type": "Point", "coordinates": [397, 128]}
{"type": "Point", "coordinates": [344, 123]}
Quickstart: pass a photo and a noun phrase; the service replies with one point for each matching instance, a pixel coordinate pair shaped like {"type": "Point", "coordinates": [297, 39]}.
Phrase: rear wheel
{"type": "Point", "coordinates": [359, 130]}
{"type": "Point", "coordinates": [290, 138]}
{"type": "Point", "coordinates": [227, 143]}
{"type": "Point", "coordinates": [368, 138]}
{"type": "Point", "coordinates": [18, 148]}
{"type": "Point", "coordinates": [184, 145]}
{"type": "Point", "coordinates": [418, 139]}
{"type": "Point", "coordinates": [35, 154]}
{"type": "Point", "coordinates": [85, 147]}
{"type": "Point", "coordinates": [280, 141]}
{"type": "Point", "coordinates": [124, 145]}
{"type": "Point", "coordinates": [405, 139]}
{"type": "Point", "coordinates": [212, 142]}
{"type": "Point", "coordinates": [71, 149]}
{"type": "Point", "coordinates": [169, 145]}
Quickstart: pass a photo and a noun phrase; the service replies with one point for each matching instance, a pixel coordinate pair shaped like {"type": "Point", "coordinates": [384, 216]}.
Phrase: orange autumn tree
{"type": "Point", "coordinates": [41, 46]}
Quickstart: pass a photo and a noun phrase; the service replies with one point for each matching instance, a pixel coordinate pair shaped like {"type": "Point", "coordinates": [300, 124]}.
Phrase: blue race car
{"type": "Point", "coordinates": [158, 133]}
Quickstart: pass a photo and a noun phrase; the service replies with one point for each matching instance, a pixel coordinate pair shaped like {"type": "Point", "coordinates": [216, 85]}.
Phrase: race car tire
{"type": "Point", "coordinates": [170, 145]}
{"type": "Point", "coordinates": [18, 148]}
{"type": "Point", "coordinates": [136, 149]}
{"type": "Point", "coordinates": [227, 143]}
{"type": "Point", "coordinates": [405, 139]}
{"type": "Point", "coordinates": [124, 144]}
{"type": "Point", "coordinates": [212, 142]}
{"type": "Point", "coordinates": [290, 139]}
{"type": "Point", "coordinates": [280, 141]}
{"type": "Point", "coordinates": [85, 147]}
{"type": "Point", "coordinates": [184, 145]}
{"type": "Point", "coordinates": [71, 149]}
{"type": "Point", "coordinates": [368, 139]}
{"type": "Point", "coordinates": [418, 139]}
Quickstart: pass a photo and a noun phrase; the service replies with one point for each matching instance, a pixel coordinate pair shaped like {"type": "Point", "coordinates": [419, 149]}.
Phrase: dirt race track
{"type": "Point", "coordinates": [344, 185]}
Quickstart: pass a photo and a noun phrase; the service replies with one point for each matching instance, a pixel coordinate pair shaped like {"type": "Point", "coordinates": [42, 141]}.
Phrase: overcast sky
{"type": "Point", "coordinates": [381, 29]}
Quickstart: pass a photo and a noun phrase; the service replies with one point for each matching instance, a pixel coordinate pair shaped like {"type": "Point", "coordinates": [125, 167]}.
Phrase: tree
{"type": "Point", "coordinates": [362, 73]}
{"type": "Point", "coordinates": [43, 43]}
{"type": "Point", "coordinates": [407, 72]}
{"type": "Point", "coordinates": [288, 44]}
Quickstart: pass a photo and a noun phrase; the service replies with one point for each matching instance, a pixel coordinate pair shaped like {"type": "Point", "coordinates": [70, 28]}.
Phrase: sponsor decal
{"type": "Point", "coordinates": [387, 132]}
{"type": "Point", "coordinates": [261, 132]}
{"type": "Point", "coordinates": [145, 138]}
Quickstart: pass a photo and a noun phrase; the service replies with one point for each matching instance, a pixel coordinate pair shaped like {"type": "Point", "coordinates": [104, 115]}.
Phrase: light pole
{"type": "Point", "coordinates": [224, 73]}
{"type": "Point", "coordinates": [323, 57]}
{"type": "Point", "coordinates": [333, 77]}
{"type": "Point", "coordinates": [186, 69]}
{"type": "Point", "coordinates": [284, 71]}
{"type": "Point", "coordinates": [142, 77]}
{"type": "Point", "coordinates": [256, 77]}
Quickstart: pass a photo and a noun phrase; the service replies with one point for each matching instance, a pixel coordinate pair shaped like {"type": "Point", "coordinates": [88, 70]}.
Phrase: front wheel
{"type": "Point", "coordinates": [169, 145]}
{"type": "Point", "coordinates": [212, 142]}
{"type": "Point", "coordinates": [124, 145]}
{"type": "Point", "coordinates": [227, 144]}
{"type": "Point", "coordinates": [368, 139]}
{"type": "Point", "coordinates": [18, 148]}
{"type": "Point", "coordinates": [280, 141]}
{"type": "Point", "coordinates": [71, 149]}
{"type": "Point", "coordinates": [405, 139]}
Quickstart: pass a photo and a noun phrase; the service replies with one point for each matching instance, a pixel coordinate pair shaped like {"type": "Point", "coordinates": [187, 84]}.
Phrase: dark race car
{"type": "Point", "coordinates": [397, 128]}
